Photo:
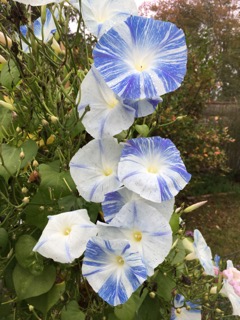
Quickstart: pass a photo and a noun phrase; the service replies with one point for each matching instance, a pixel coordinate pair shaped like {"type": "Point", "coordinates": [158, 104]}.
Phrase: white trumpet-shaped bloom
{"type": "Point", "coordinates": [42, 32]}
{"type": "Point", "coordinates": [65, 236]}
{"type": "Point", "coordinates": [142, 58]}
{"type": "Point", "coordinates": [94, 168]}
{"type": "Point", "coordinates": [231, 287]}
{"type": "Point", "coordinates": [113, 269]}
{"type": "Point", "coordinates": [108, 114]}
{"type": "Point", "coordinates": [99, 16]}
{"type": "Point", "coordinates": [145, 228]}
{"type": "Point", "coordinates": [202, 252]}
{"type": "Point", "coordinates": [152, 167]}
{"type": "Point", "coordinates": [193, 312]}
{"type": "Point", "coordinates": [114, 201]}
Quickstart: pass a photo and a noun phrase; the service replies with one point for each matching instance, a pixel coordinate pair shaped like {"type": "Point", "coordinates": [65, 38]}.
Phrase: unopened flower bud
{"type": "Point", "coordinates": [178, 310]}
{"type": "Point", "coordinates": [25, 200]}
{"type": "Point", "coordinates": [5, 40]}
{"type": "Point", "coordinates": [152, 294]}
{"type": "Point", "coordinates": [30, 308]}
{"type": "Point", "coordinates": [194, 206]}
{"type": "Point", "coordinates": [41, 208]}
{"type": "Point", "coordinates": [7, 105]}
{"type": "Point", "coordinates": [2, 59]}
{"type": "Point", "coordinates": [35, 163]}
{"type": "Point", "coordinates": [45, 122]}
{"type": "Point", "coordinates": [188, 308]}
{"type": "Point", "coordinates": [22, 155]}
{"type": "Point", "coordinates": [24, 190]}
{"type": "Point", "coordinates": [54, 119]}
{"type": "Point", "coordinates": [18, 130]}
{"type": "Point", "coordinates": [218, 310]}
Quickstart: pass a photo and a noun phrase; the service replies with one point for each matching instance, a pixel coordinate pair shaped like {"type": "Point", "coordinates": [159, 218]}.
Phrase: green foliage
{"type": "Point", "coordinates": [72, 311]}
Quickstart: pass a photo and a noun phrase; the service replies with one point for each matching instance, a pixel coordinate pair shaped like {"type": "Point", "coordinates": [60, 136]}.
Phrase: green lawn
{"type": "Point", "coordinates": [219, 222]}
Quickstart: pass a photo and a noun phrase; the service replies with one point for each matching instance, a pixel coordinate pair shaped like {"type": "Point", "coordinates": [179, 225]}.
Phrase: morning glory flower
{"type": "Point", "coordinates": [108, 114]}
{"type": "Point", "coordinates": [94, 168]}
{"type": "Point", "coordinates": [113, 269]}
{"type": "Point", "coordinates": [152, 167]}
{"type": "Point", "coordinates": [99, 16]}
{"type": "Point", "coordinates": [231, 287]}
{"type": "Point", "coordinates": [193, 312]}
{"type": "Point", "coordinates": [147, 231]}
{"type": "Point", "coordinates": [202, 252]}
{"type": "Point", "coordinates": [114, 201]}
{"type": "Point", "coordinates": [142, 58]}
{"type": "Point", "coordinates": [65, 236]}
{"type": "Point", "coordinates": [42, 32]}
{"type": "Point", "coordinates": [143, 107]}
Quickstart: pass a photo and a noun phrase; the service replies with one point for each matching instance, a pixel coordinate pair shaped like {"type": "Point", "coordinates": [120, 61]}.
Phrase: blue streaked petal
{"type": "Point", "coordinates": [114, 201]}
{"type": "Point", "coordinates": [143, 107]}
{"type": "Point", "coordinates": [152, 167]}
{"type": "Point", "coordinates": [142, 58]}
{"type": "Point", "coordinates": [194, 312]}
{"type": "Point", "coordinates": [94, 169]}
{"type": "Point", "coordinates": [113, 280]}
{"type": "Point", "coordinates": [99, 16]}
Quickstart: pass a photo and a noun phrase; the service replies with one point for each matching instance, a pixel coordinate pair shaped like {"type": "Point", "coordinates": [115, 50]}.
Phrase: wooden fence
{"type": "Point", "coordinates": [229, 113]}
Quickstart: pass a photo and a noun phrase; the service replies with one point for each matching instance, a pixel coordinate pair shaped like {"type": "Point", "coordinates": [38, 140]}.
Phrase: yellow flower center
{"type": "Point", "coordinates": [112, 103]}
{"type": "Point", "coordinates": [152, 169]}
{"type": "Point", "coordinates": [137, 235]}
{"type": "Point", "coordinates": [67, 231]}
{"type": "Point", "coordinates": [107, 171]}
{"type": "Point", "coordinates": [120, 260]}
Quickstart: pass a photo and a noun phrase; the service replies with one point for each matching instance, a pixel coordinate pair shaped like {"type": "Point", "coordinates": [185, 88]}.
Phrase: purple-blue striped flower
{"type": "Point", "coordinates": [193, 312]}
{"type": "Point", "coordinates": [142, 58]}
{"type": "Point", "coordinates": [152, 167]}
{"type": "Point", "coordinates": [114, 201]}
{"type": "Point", "coordinates": [113, 269]}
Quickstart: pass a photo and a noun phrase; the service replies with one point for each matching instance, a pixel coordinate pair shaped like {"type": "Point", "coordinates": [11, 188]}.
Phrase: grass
{"type": "Point", "coordinates": [219, 222]}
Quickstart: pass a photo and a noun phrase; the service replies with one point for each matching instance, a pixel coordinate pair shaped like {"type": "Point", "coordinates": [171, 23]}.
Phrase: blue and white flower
{"type": "Point", "coordinates": [94, 169]}
{"type": "Point", "coordinates": [202, 252]}
{"type": "Point", "coordinates": [114, 201]}
{"type": "Point", "coordinates": [185, 310]}
{"type": "Point", "coordinates": [152, 168]}
{"type": "Point", "coordinates": [65, 236]}
{"type": "Point", "coordinates": [142, 58]}
{"type": "Point", "coordinates": [100, 16]}
{"type": "Point", "coordinates": [113, 269]}
{"type": "Point", "coordinates": [143, 107]}
{"type": "Point", "coordinates": [145, 228]}
{"type": "Point", "coordinates": [108, 114]}
{"type": "Point", "coordinates": [42, 32]}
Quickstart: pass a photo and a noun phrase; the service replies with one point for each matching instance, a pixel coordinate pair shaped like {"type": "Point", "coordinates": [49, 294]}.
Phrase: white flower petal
{"type": "Point", "coordinates": [99, 16]}
{"type": "Point", "coordinates": [108, 114]}
{"type": "Point", "coordinates": [94, 169]}
{"type": "Point", "coordinates": [65, 236]}
{"type": "Point", "coordinates": [194, 312]}
{"type": "Point", "coordinates": [203, 253]}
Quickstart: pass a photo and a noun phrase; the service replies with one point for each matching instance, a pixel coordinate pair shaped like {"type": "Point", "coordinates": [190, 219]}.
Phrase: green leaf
{"type": "Point", "coordinates": [11, 158]}
{"type": "Point", "coordinates": [165, 285]}
{"type": "Point", "coordinates": [149, 309]}
{"type": "Point", "coordinates": [59, 182]}
{"type": "Point", "coordinates": [3, 240]}
{"type": "Point", "coordinates": [27, 285]}
{"type": "Point", "coordinates": [26, 257]}
{"type": "Point", "coordinates": [72, 312]}
{"type": "Point", "coordinates": [39, 208]}
{"type": "Point", "coordinates": [142, 129]}
{"type": "Point", "coordinates": [129, 309]}
{"type": "Point", "coordinates": [47, 300]}
{"type": "Point", "coordinates": [10, 75]}
{"type": "Point", "coordinates": [5, 121]}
